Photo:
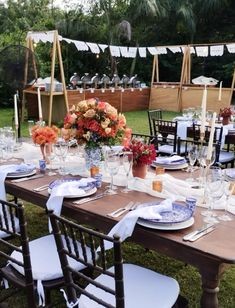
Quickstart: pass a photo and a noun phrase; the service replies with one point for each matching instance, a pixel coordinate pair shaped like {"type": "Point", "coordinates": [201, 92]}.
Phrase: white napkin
{"type": "Point", "coordinates": [169, 160]}
{"type": "Point", "coordinates": [124, 228]}
{"type": "Point", "coordinates": [65, 189]}
{"type": "Point", "coordinates": [5, 169]}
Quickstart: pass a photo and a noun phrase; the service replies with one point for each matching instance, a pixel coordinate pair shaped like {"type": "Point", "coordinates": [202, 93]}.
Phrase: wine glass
{"type": "Point", "coordinates": [228, 189]}
{"type": "Point", "coordinates": [50, 156]}
{"type": "Point", "coordinates": [112, 164]}
{"type": "Point", "coordinates": [215, 190]}
{"type": "Point", "coordinates": [205, 163]}
{"type": "Point", "coordinates": [60, 149]}
{"type": "Point", "coordinates": [127, 161]}
{"type": "Point", "coordinates": [30, 126]}
{"type": "Point", "coordinates": [192, 157]}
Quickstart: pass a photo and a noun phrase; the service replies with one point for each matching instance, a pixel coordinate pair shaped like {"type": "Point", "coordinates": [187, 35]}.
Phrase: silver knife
{"type": "Point", "coordinates": [187, 237]}
{"type": "Point", "coordinates": [37, 176]}
{"type": "Point", "coordinates": [199, 235]}
{"type": "Point", "coordinates": [84, 200]}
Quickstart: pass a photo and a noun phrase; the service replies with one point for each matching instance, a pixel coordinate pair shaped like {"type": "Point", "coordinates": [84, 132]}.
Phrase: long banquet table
{"type": "Point", "coordinates": [211, 254]}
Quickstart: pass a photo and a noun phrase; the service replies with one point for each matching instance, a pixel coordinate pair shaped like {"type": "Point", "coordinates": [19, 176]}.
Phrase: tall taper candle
{"type": "Point", "coordinates": [39, 105]}
{"type": "Point", "coordinates": [204, 102]}
{"type": "Point", "coordinates": [220, 90]}
{"type": "Point", "coordinates": [212, 133]}
{"type": "Point", "coordinates": [16, 112]}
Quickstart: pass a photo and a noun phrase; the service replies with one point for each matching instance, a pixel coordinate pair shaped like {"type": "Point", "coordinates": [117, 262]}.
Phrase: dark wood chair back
{"type": "Point", "coordinates": [217, 135]}
{"type": "Point", "coordinates": [87, 237]}
{"type": "Point", "coordinates": [153, 114]}
{"type": "Point", "coordinates": [8, 210]}
{"type": "Point", "coordinates": [167, 130]}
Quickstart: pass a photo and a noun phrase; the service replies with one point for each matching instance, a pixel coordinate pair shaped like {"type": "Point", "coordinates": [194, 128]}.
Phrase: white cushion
{"type": "Point", "coordinates": [166, 148]}
{"type": "Point", "coordinates": [226, 156]}
{"type": "Point", "coordinates": [17, 227]}
{"type": "Point", "coordinates": [142, 288]}
{"type": "Point", "coordinates": [45, 260]}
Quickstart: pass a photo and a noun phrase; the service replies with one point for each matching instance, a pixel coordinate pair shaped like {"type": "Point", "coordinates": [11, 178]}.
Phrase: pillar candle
{"type": "Point", "coordinates": [220, 90]}
{"type": "Point", "coordinates": [212, 133]}
{"type": "Point", "coordinates": [204, 102]}
{"type": "Point", "coordinates": [39, 105]}
{"type": "Point", "coordinates": [16, 111]}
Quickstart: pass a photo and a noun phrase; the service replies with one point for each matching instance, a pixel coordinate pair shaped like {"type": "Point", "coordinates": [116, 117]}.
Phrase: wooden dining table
{"type": "Point", "coordinates": [211, 254]}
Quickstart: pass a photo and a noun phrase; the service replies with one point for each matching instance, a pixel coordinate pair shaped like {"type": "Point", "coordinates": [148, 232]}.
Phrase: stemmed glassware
{"type": "Point", "coordinates": [192, 157]}
{"type": "Point", "coordinates": [127, 162]}
{"type": "Point", "coordinates": [214, 190]}
{"type": "Point", "coordinates": [50, 156]}
{"type": "Point", "coordinates": [228, 189]}
{"type": "Point", "coordinates": [112, 164]}
{"type": "Point", "coordinates": [204, 163]}
{"type": "Point", "coordinates": [60, 149]}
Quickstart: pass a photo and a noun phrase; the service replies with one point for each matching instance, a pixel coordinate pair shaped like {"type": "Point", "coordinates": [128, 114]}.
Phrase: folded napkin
{"type": "Point", "coordinates": [65, 189]}
{"type": "Point", "coordinates": [124, 228]}
{"type": "Point", "coordinates": [172, 187]}
{"type": "Point", "coordinates": [5, 169]}
{"type": "Point", "coordinates": [170, 160]}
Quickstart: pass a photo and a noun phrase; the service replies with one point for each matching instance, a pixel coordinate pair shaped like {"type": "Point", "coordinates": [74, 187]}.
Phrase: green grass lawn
{"type": "Point", "coordinates": [187, 276]}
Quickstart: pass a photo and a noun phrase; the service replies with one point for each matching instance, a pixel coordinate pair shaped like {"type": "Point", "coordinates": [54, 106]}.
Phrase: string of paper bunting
{"type": "Point", "coordinates": [131, 52]}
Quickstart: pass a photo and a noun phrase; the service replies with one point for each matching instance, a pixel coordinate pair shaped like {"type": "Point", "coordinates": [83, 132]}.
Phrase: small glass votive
{"type": "Point", "coordinates": [157, 185]}
{"type": "Point", "coordinates": [98, 180]}
{"type": "Point", "coordinates": [159, 170]}
{"type": "Point", "coordinates": [191, 204]}
{"type": "Point", "coordinates": [94, 170]}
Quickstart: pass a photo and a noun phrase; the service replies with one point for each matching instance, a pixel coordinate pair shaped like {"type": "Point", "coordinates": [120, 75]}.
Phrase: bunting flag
{"type": "Point", "coordinates": [231, 48]}
{"type": "Point", "coordinates": [131, 52]}
{"type": "Point", "coordinates": [217, 50]}
{"type": "Point", "coordinates": [174, 49]}
{"type": "Point", "coordinates": [80, 45]}
{"type": "Point", "coordinates": [115, 51]}
{"type": "Point", "coordinates": [202, 51]}
{"type": "Point", "coordinates": [93, 47]}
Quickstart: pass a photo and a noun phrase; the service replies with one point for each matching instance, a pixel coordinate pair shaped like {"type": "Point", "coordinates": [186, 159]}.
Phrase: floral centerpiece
{"type": "Point", "coordinates": [95, 123]}
{"type": "Point", "coordinates": [226, 113]}
{"type": "Point", "coordinates": [44, 134]}
{"type": "Point", "coordinates": [143, 155]}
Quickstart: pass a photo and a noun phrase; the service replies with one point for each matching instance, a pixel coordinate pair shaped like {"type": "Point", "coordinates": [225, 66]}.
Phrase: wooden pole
{"type": "Point", "coordinates": [232, 88]}
{"type": "Point", "coordinates": [153, 70]}
{"type": "Point", "coordinates": [52, 77]}
{"type": "Point", "coordinates": [62, 73]}
{"type": "Point", "coordinates": [157, 68]}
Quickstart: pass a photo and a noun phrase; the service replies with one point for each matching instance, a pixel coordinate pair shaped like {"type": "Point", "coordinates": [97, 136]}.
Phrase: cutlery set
{"type": "Point", "coordinates": [195, 235]}
{"type": "Point", "coordinates": [129, 207]}
{"type": "Point", "coordinates": [37, 176]}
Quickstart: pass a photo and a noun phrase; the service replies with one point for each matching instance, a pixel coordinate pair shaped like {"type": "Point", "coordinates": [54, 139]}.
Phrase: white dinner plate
{"type": "Point", "coordinates": [21, 174]}
{"type": "Point", "coordinates": [171, 167]}
{"type": "Point", "coordinates": [175, 226]}
{"type": "Point", "coordinates": [86, 193]}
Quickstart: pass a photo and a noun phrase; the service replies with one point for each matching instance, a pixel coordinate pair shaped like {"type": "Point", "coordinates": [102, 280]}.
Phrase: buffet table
{"type": "Point", "coordinates": [211, 255]}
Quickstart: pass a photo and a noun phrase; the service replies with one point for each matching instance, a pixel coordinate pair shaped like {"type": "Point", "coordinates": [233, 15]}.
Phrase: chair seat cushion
{"type": "Point", "coordinates": [142, 288]}
{"type": "Point", "coordinates": [166, 149]}
{"type": "Point", "coordinates": [225, 157]}
{"type": "Point", "coordinates": [45, 260]}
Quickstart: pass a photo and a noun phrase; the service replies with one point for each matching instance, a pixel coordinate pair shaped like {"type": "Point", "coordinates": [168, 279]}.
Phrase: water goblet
{"type": "Point", "coordinates": [228, 189]}
{"type": "Point", "coordinates": [215, 190]}
{"type": "Point", "coordinates": [50, 156]}
{"type": "Point", "coordinates": [112, 164]}
{"type": "Point", "coordinates": [60, 149]}
{"type": "Point", "coordinates": [30, 126]}
{"type": "Point", "coordinates": [127, 161]}
{"type": "Point", "coordinates": [192, 157]}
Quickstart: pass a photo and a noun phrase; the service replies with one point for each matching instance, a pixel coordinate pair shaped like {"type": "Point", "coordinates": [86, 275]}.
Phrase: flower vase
{"type": "Point", "coordinates": [46, 150]}
{"type": "Point", "coordinates": [93, 158]}
{"type": "Point", "coordinates": [139, 170]}
{"type": "Point", "coordinates": [42, 148]}
{"type": "Point", "coordinates": [226, 120]}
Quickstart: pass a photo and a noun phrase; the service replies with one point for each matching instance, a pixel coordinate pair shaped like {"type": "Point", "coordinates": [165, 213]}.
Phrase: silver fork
{"type": "Point", "coordinates": [41, 188]}
{"type": "Point", "coordinates": [130, 206]}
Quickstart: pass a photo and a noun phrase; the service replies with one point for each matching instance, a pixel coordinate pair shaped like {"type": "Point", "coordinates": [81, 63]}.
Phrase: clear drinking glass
{"type": "Point", "coordinates": [60, 149]}
{"type": "Point", "coordinates": [127, 162]}
{"type": "Point", "coordinates": [112, 164]}
{"type": "Point", "coordinates": [228, 189]}
{"type": "Point", "coordinates": [50, 156]}
{"type": "Point", "coordinates": [214, 190]}
{"type": "Point", "coordinates": [192, 157]}
{"type": "Point", "coordinates": [30, 126]}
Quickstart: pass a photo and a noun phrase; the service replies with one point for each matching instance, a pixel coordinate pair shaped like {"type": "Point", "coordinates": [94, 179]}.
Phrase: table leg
{"type": "Point", "coordinates": [210, 285]}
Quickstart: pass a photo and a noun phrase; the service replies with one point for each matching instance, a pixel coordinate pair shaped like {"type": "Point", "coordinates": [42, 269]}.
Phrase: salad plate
{"type": "Point", "coordinates": [177, 226]}
{"type": "Point", "coordinates": [13, 175]}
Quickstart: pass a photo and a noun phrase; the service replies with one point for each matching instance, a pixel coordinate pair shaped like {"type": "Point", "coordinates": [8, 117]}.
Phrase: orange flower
{"type": "Point", "coordinates": [44, 134]}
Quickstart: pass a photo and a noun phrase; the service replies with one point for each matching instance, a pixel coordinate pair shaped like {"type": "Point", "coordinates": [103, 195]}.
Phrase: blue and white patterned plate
{"type": "Point", "coordinates": [178, 214]}
{"type": "Point", "coordinates": [89, 189]}
{"type": "Point", "coordinates": [230, 173]}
